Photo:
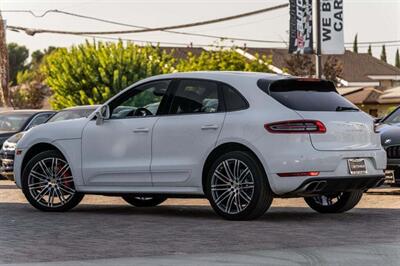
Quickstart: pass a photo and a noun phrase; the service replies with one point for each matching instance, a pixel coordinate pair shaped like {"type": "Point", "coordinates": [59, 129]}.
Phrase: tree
{"type": "Point", "coordinates": [92, 73]}
{"type": "Point", "coordinates": [333, 68]}
{"type": "Point", "coordinates": [17, 56]}
{"type": "Point", "coordinates": [28, 95]}
{"type": "Point", "coordinates": [355, 44]}
{"type": "Point", "coordinates": [370, 50]}
{"type": "Point", "coordinates": [397, 59]}
{"type": "Point", "coordinates": [223, 59]}
{"type": "Point", "coordinates": [383, 54]}
{"type": "Point", "coordinates": [300, 65]}
{"type": "Point", "coordinates": [38, 56]}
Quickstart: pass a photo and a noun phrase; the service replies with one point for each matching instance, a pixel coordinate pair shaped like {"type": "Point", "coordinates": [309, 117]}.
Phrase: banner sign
{"type": "Point", "coordinates": [301, 28]}
{"type": "Point", "coordinates": [332, 40]}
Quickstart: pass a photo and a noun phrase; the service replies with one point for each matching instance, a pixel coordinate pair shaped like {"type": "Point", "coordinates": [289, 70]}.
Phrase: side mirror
{"type": "Point", "coordinates": [377, 120]}
{"type": "Point", "coordinates": [102, 114]}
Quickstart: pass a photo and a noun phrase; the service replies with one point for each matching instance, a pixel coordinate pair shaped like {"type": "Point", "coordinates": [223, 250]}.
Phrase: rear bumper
{"type": "Point", "coordinates": [318, 186]}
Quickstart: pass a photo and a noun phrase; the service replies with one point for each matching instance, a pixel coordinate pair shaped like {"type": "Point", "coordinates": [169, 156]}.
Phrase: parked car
{"type": "Point", "coordinates": [14, 121]}
{"type": "Point", "coordinates": [389, 128]}
{"type": "Point", "coordinates": [240, 139]}
{"type": "Point", "coordinates": [7, 152]}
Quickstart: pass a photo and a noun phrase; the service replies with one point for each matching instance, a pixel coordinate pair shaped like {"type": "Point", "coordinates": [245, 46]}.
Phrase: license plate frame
{"type": "Point", "coordinates": [357, 166]}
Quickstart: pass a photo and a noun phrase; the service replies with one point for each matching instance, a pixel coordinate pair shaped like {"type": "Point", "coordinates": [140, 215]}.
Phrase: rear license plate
{"type": "Point", "coordinates": [357, 166]}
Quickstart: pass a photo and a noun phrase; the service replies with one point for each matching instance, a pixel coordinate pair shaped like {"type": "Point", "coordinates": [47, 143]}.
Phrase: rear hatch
{"type": "Point", "coordinates": [347, 128]}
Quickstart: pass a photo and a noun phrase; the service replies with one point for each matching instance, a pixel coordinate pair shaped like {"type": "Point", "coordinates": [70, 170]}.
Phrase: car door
{"type": "Point", "coordinates": [118, 152]}
{"type": "Point", "coordinates": [183, 138]}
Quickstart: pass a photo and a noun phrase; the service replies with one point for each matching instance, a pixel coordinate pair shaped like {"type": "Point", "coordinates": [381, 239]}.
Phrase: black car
{"type": "Point", "coordinates": [389, 129]}
{"type": "Point", "coordinates": [7, 152]}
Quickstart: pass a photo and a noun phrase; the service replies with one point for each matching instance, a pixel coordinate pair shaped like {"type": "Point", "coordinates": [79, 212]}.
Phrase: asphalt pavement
{"type": "Point", "coordinates": [182, 234]}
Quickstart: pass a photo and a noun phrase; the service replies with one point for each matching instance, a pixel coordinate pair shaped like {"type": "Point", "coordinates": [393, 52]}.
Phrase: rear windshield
{"type": "Point", "coordinates": [303, 95]}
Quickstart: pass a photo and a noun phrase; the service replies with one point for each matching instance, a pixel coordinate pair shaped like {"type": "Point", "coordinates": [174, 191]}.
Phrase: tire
{"type": "Point", "coordinates": [144, 201]}
{"type": "Point", "coordinates": [341, 202]}
{"type": "Point", "coordinates": [241, 194]}
{"type": "Point", "coordinates": [47, 183]}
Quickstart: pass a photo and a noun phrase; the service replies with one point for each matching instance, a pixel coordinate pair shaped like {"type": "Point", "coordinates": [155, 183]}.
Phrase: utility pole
{"type": "Point", "coordinates": [3, 63]}
{"type": "Point", "coordinates": [318, 58]}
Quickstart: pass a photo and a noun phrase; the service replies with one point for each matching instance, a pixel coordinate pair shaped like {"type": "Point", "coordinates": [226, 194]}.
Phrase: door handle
{"type": "Point", "coordinates": [141, 130]}
{"type": "Point", "coordinates": [206, 127]}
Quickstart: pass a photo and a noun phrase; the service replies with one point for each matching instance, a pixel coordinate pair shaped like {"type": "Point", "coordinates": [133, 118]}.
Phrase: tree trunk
{"type": "Point", "coordinates": [3, 65]}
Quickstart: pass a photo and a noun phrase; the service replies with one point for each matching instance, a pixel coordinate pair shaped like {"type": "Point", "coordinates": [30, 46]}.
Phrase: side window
{"type": "Point", "coordinates": [144, 100]}
{"type": "Point", "coordinates": [39, 119]}
{"type": "Point", "coordinates": [233, 100]}
{"type": "Point", "coordinates": [195, 96]}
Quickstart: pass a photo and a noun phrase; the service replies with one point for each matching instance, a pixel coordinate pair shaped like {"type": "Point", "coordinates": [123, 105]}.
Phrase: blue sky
{"type": "Point", "coordinates": [373, 20]}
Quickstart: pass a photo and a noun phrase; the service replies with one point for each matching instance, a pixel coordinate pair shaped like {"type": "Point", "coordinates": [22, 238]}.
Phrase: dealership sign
{"type": "Point", "coordinates": [301, 30]}
{"type": "Point", "coordinates": [331, 25]}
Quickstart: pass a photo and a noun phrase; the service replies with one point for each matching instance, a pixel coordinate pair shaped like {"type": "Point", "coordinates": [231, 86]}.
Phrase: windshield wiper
{"type": "Point", "coordinates": [345, 108]}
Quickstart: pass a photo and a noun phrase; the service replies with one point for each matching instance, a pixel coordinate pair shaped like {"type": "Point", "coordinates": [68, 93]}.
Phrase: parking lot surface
{"type": "Point", "coordinates": [106, 231]}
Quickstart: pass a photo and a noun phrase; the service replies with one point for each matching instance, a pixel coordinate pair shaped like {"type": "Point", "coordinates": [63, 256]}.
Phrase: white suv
{"type": "Point", "coordinates": [238, 139]}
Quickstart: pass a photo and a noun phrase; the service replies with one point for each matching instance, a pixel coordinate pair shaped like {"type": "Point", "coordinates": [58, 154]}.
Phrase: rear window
{"type": "Point", "coordinates": [304, 95]}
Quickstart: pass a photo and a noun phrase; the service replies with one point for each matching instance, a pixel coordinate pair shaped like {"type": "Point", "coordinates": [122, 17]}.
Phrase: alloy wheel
{"type": "Point", "coordinates": [50, 182]}
{"type": "Point", "coordinates": [232, 186]}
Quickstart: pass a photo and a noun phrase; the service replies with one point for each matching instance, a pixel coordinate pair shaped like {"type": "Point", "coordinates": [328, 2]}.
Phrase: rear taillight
{"type": "Point", "coordinates": [296, 126]}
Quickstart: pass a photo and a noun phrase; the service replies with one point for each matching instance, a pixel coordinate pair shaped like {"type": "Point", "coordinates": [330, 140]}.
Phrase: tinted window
{"type": "Point", "coordinates": [393, 118]}
{"type": "Point", "coordinates": [195, 96]}
{"type": "Point", "coordinates": [143, 100]}
{"type": "Point", "coordinates": [71, 114]}
{"type": "Point", "coordinates": [233, 100]}
{"type": "Point", "coordinates": [39, 119]}
{"type": "Point", "coordinates": [305, 95]}
{"type": "Point", "coordinates": [13, 121]}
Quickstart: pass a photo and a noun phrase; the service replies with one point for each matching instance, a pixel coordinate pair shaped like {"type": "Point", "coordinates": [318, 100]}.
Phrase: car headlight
{"type": "Point", "coordinates": [11, 142]}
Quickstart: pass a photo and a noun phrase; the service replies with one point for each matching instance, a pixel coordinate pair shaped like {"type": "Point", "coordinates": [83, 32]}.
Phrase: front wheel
{"type": "Point", "coordinates": [334, 203]}
{"type": "Point", "coordinates": [48, 184]}
{"type": "Point", "coordinates": [237, 187]}
{"type": "Point", "coordinates": [143, 201]}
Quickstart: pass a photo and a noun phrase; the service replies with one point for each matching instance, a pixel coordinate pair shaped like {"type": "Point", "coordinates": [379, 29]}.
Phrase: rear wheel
{"type": "Point", "coordinates": [334, 203]}
{"type": "Point", "coordinates": [237, 187]}
{"type": "Point", "coordinates": [48, 184]}
{"type": "Point", "coordinates": [143, 201]}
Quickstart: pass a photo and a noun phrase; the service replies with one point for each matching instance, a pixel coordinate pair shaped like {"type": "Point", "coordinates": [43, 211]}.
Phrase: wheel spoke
{"type": "Point", "coordinates": [39, 175]}
{"type": "Point", "coordinates": [228, 170]}
{"type": "Point", "coordinates": [42, 193]}
{"type": "Point", "coordinates": [238, 204]}
{"type": "Point", "coordinates": [66, 189]}
{"type": "Point", "coordinates": [44, 168]}
{"type": "Point", "coordinates": [244, 196]}
{"type": "Point", "coordinates": [38, 185]}
{"type": "Point", "coordinates": [244, 174]}
{"type": "Point", "coordinates": [222, 177]}
{"type": "Point", "coordinates": [222, 197]}
{"type": "Point", "coordinates": [60, 195]}
{"type": "Point", "coordinates": [229, 202]}
{"type": "Point", "coordinates": [50, 201]}
{"type": "Point", "coordinates": [236, 167]}
{"type": "Point", "coordinates": [62, 171]}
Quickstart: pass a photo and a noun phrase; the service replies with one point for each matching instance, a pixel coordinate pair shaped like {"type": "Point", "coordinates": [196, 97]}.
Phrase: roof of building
{"type": "Point", "coordinates": [367, 95]}
{"type": "Point", "coordinates": [357, 67]}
